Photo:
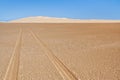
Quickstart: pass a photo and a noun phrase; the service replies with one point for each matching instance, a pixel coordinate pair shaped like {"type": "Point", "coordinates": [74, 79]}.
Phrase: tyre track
{"type": "Point", "coordinates": [62, 69]}
{"type": "Point", "coordinates": [13, 67]}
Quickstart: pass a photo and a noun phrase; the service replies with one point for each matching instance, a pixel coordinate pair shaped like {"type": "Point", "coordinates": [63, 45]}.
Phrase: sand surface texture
{"type": "Point", "coordinates": [81, 51]}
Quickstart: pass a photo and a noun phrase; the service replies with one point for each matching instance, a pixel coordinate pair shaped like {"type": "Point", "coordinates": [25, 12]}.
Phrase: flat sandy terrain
{"type": "Point", "coordinates": [81, 51]}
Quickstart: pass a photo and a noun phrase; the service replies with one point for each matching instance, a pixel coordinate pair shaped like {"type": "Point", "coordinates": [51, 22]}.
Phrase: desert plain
{"type": "Point", "coordinates": [59, 51]}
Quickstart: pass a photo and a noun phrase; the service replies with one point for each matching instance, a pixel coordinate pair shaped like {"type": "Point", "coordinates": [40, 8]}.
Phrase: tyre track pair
{"type": "Point", "coordinates": [62, 69]}
{"type": "Point", "coordinates": [13, 67]}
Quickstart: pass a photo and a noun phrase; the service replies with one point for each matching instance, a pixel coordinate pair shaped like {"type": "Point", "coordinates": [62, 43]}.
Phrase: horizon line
{"type": "Point", "coordinates": [78, 19]}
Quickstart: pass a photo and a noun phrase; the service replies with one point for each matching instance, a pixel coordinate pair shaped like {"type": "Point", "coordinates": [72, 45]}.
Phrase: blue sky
{"type": "Point", "coordinates": [80, 9]}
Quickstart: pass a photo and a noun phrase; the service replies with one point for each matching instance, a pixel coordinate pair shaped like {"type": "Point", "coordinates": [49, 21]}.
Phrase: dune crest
{"type": "Point", "coordinates": [42, 19]}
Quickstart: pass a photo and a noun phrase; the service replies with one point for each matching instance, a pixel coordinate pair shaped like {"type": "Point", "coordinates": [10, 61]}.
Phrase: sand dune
{"type": "Point", "coordinates": [69, 51]}
{"type": "Point", "coordinates": [41, 19]}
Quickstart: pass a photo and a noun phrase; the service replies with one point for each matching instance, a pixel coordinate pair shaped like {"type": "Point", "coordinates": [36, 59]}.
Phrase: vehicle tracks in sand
{"type": "Point", "coordinates": [13, 67]}
{"type": "Point", "coordinates": [62, 69]}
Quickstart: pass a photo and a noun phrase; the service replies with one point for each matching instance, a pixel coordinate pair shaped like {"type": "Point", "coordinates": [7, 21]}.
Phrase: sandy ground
{"type": "Point", "coordinates": [83, 51]}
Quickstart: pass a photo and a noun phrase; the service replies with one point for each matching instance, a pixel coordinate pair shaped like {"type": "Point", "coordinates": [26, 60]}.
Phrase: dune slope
{"type": "Point", "coordinates": [42, 19]}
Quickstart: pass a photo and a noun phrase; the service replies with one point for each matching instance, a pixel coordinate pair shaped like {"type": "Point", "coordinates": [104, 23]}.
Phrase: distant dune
{"type": "Point", "coordinates": [41, 19]}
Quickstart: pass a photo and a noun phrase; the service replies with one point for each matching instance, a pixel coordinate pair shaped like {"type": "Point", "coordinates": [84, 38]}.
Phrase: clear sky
{"type": "Point", "coordinates": [80, 9]}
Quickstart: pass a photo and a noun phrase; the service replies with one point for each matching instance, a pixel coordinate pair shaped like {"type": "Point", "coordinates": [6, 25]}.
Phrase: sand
{"type": "Point", "coordinates": [66, 51]}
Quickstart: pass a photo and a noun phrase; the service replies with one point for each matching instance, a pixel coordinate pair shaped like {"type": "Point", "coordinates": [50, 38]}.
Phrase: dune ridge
{"type": "Point", "coordinates": [42, 19]}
